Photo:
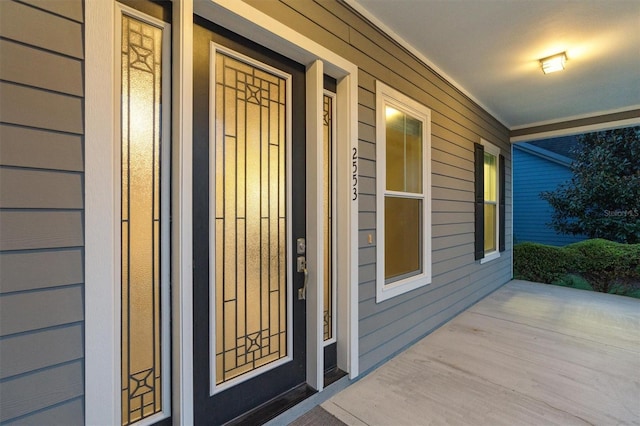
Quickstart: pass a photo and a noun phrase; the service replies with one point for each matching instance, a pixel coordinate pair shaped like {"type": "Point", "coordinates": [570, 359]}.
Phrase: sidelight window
{"type": "Point", "coordinates": [144, 220]}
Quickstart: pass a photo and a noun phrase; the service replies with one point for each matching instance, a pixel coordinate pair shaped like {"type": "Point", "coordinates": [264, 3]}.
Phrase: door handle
{"type": "Point", "coordinates": [302, 267]}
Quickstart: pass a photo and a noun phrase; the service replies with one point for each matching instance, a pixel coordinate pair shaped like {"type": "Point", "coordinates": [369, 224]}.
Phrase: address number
{"type": "Point", "coordinates": [354, 179]}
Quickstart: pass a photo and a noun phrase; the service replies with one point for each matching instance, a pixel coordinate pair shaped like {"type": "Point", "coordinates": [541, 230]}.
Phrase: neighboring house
{"type": "Point", "coordinates": [111, 313]}
{"type": "Point", "coordinates": [539, 166]}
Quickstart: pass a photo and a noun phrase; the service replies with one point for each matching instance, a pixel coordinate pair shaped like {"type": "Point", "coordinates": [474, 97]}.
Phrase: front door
{"type": "Point", "coordinates": [249, 212]}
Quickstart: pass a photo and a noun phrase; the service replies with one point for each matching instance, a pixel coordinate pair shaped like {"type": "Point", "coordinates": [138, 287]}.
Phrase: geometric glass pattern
{"type": "Point", "coordinates": [328, 215]}
{"type": "Point", "coordinates": [140, 219]}
{"type": "Point", "coordinates": [250, 218]}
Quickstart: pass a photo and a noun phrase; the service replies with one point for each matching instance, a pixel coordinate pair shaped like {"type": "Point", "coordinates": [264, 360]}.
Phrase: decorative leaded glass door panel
{"type": "Point", "coordinates": [144, 151]}
{"type": "Point", "coordinates": [249, 206]}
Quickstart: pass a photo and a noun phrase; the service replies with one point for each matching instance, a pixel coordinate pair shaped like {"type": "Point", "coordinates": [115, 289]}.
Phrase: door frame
{"type": "Point", "coordinates": [102, 352]}
{"type": "Point", "coordinates": [319, 60]}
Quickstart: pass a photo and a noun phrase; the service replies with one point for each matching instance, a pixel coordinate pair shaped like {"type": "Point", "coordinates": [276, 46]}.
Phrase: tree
{"type": "Point", "coordinates": [602, 199]}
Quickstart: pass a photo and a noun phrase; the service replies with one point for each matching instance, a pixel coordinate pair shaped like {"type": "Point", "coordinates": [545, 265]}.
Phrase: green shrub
{"type": "Point", "coordinates": [607, 266]}
{"type": "Point", "coordinates": [539, 262]}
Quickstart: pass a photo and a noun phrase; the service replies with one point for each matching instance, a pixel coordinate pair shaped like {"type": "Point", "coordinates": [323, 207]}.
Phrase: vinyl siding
{"type": "Point", "coordinates": [41, 212]}
{"type": "Point", "coordinates": [457, 123]}
{"type": "Point", "coordinates": [532, 175]}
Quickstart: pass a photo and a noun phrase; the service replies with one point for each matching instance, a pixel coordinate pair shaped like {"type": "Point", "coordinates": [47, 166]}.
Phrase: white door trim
{"type": "Point", "coordinates": [315, 224]}
{"type": "Point", "coordinates": [182, 212]}
{"type": "Point", "coordinates": [102, 232]}
{"type": "Point", "coordinates": [102, 364]}
{"type": "Point", "coordinates": [102, 335]}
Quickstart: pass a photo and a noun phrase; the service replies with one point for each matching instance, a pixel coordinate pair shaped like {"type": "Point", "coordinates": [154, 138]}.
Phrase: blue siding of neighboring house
{"type": "Point", "coordinates": [536, 170]}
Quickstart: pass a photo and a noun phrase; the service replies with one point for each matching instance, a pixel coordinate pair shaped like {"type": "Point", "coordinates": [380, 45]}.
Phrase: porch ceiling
{"type": "Point", "coordinates": [491, 48]}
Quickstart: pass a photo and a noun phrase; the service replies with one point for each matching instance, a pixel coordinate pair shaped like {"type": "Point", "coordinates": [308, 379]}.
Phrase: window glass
{"type": "Point", "coordinates": [489, 227]}
{"type": "Point", "coordinates": [490, 202]}
{"type": "Point", "coordinates": [403, 235]}
{"type": "Point", "coordinates": [490, 173]}
{"type": "Point", "coordinates": [404, 151]}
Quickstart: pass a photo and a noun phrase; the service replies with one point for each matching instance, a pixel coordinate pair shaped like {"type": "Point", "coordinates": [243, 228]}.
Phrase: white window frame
{"type": "Point", "coordinates": [387, 96]}
{"type": "Point", "coordinates": [495, 151]}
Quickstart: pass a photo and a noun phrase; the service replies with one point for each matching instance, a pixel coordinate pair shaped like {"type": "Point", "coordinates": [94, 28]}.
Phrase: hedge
{"type": "Point", "coordinates": [606, 265]}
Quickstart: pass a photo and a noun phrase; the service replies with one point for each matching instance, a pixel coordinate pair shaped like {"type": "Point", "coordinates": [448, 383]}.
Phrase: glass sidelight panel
{"type": "Point", "coordinates": [142, 328]}
{"type": "Point", "coordinates": [250, 218]}
{"type": "Point", "coordinates": [328, 215]}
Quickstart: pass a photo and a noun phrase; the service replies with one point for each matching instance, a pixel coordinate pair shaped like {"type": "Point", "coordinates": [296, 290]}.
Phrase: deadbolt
{"type": "Point", "coordinates": [301, 246]}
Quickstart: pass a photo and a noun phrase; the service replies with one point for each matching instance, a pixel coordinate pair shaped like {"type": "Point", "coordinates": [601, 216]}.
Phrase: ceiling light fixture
{"type": "Point", "coordinates": [553, 63]}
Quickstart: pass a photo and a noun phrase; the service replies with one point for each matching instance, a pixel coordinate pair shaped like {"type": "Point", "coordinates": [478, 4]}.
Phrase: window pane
{"type": "Point", "coordinates": [489, 227]}
{"type": "Point", "coordinates": [395, 149]}
{"type": "Point", "coordinates": [413, 133]}
{"type": "Point", "coordinates": [490, 173]}
{"type": "Point", "coordinates": [403, 152]}
{"type": "Point", "coordinates": [402, 234]}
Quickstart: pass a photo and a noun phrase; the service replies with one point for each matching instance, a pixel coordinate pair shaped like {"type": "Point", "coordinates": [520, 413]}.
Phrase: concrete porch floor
{"type": "Point", "coordinates": [529, 354]}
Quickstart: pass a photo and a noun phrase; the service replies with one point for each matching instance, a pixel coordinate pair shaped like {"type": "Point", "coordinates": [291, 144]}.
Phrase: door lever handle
{"type": "Point", "coordinates": [302, 267]}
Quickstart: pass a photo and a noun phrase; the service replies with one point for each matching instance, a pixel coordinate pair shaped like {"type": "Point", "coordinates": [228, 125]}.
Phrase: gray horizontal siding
{"type": "Point", "coordinates": [27, 106]}
{"type": "Point", "coordinates": [70, 9]}
{"type": "Point", "coordinates": [21, 69]}
{"type": "Point", "coordinates": [41, 189]}
{"type": "Point", "coordinates": [68, 413]}
{"type": "Point", "coordinates": [41, 212]}
{"type": "Point", "coordinates": [36, 229]}
{"type": "Point", "coordinates": [33, 148]}
{"type": "Point", "coordinates": [24, 352]}
{"type": "Point", "coordinates": [32, 270]}
{"type": "Point", "coordinates": [39, 28]}
{"type": "Point", "coordinates": [25, 394]}
{"type": "Point", "coordinates": [457, 123]}
{"type": "Point", "coordinates": [21, 312]}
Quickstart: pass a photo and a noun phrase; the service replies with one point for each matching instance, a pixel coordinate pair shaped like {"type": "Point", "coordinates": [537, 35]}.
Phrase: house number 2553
{"type": "Point", "coordinates": [354, 180]}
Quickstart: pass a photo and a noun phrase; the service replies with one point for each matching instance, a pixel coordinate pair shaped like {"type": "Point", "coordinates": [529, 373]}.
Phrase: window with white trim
{"type": "Point", "coordinates": [489, 208]}
{"type": "Point", "coordinates": [403, 188]}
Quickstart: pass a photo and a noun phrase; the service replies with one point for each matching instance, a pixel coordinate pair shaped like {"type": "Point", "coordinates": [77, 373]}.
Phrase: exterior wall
{"type": "Point", "coordinates": [41, 212]}
{"type": "Point", "coordinates": [457, 123]}
{"type": "Point", "coordinates": [533, 174]}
